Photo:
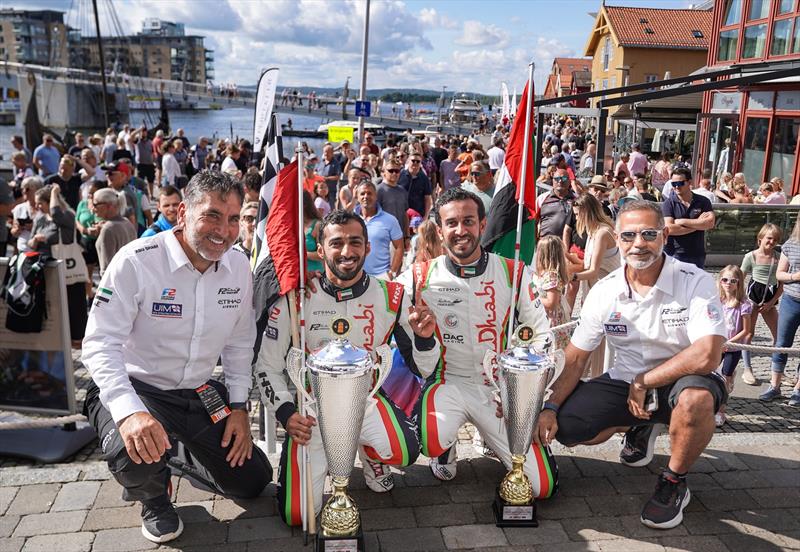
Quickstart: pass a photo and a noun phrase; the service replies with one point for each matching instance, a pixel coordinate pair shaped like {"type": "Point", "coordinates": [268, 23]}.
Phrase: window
{"type": "Point", "coordinates": [781, 37]}
{"type": "Point", "coordinates": [784, 145]}
{"type": "Point", "coordinates": [796, 45]}
{"type": "Point", "coordinates": [785, 6]}
{"type": "Point", "coordinates": [728, 43]}
{"type": "Point", "coordinates": [650, 78]}
{"type": "Point", "coordinates": [755, 150]}
{"type": "Point", "coordinates": [697, 34]}
{"type": "Point", "coordinates": [733, 12]}
{"type": "Point", "coordinates": [755, 37]}
{"type": "Point", "coordinates": [606, 53]}
{"type": "Point", "coordinates": [759, 9]}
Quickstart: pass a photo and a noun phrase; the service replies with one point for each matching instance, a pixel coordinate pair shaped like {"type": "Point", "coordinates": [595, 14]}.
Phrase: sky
{"type": "Point", "coordinates": [465, 45]}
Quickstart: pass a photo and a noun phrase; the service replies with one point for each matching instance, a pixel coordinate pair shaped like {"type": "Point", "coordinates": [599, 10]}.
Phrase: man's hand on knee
{"type": "Point", "coordinates": [547, 428]}
{"type": "Point", "coordinates": [144, 438]}
{"type": "Point", "coordinates": [237, 429]}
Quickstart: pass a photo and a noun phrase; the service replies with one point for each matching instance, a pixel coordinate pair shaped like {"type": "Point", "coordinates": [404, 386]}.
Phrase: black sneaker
{"type": "Point", "coordinates": [638, 445]}
{"type": "Point", "coordinates": [160, 521]}
{"type": "Point", "coordinates": [664, 510]}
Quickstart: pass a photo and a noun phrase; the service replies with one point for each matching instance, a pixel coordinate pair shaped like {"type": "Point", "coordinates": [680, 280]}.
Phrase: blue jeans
{"type": "Point", "coordinates": [788, 322]}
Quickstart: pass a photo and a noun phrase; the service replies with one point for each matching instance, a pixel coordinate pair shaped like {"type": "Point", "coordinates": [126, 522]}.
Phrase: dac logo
{"type": "Point", "coordinates": [453, 338]}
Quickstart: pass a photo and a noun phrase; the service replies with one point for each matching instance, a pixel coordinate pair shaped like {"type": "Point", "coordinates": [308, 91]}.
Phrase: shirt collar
{"type": "Point", "coordinates": [345, 294]}
{"type": "Point", "coordinates": [468, 271]}
{"type": "Point", "coordinates": [177, 256]}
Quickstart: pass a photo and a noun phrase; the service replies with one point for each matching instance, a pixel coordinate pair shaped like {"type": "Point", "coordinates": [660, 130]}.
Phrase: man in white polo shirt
{"type": "Point", "coordinates": [664, 325]}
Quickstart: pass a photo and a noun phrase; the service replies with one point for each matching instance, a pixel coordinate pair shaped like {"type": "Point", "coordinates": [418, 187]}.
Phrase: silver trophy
{"type": "Point", "coordinates": [343, 378]}
{"type": "Point", "coordinates": [522, 377]}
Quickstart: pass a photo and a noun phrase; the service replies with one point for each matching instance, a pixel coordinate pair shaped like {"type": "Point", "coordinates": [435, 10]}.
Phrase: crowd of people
{"type": "Point", "coordinates": [396, 231]}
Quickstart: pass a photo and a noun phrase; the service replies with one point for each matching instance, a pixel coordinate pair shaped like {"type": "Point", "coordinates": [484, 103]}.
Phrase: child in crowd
{"type": "Point", "coordinates": [321, 198]}
{"type": "Point", "coordinates": [551, 278]}
{"type": "Point", "coordinates": [764, 290]}
{"type": "Point", "coordinates": [738, 317]}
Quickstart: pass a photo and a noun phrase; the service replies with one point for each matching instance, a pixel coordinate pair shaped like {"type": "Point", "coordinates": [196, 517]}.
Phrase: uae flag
{"type": "Point", "coordinates": [501, 226]}
{"type": "Point", "coordinates": [278, 272]}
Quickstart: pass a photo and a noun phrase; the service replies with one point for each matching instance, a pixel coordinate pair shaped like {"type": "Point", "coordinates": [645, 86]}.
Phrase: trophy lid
{"type": "Point", "coordinates": [339, 356]}
{"type": "Point", "coordinates": [522, 356]}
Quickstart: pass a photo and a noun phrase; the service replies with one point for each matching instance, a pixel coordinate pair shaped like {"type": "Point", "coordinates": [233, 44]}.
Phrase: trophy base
{"type": "Point", "coordinates": [354, 543]}
{"type": "Point", "coordinates": [508, 515]}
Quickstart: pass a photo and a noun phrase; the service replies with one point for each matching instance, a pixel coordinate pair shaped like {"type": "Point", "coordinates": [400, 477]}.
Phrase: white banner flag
{"type": "Point", "coordinates": [506, 102]}
{"type": "Point", "coordinates": [265, 99]}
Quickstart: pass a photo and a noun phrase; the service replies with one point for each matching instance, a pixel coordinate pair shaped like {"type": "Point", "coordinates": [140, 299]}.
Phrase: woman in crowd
{"type": "Point", "coordinates": [311, 220]}
{"type": "Point", "coordinates": [738, 318]}
{"type": "Point", "coordinates": [247, 226]}
{"type": "Point", "coordinates": [170, 170]}
{"type": "Point", "coordinates": [89, 225]}
{"type": "Point", "coordinates": [788, 315]}
{"type": "Point", "coordinates": [740, 191]}
{"type": "Point", "coordinates": [55, 224]}
{"type": "Point", "coordinates": [232, 153]}
{"type": "Point", "coordinates": [321, 198]}
{"type": "Point", "coordinates": [764, 289]}
{"type": "Point", "coordinates": [778, 196]}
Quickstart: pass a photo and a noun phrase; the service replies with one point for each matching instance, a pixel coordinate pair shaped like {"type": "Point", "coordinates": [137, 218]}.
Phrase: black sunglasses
{"type": "Point", "coordinates": [477, 173]}
{"type": "Point", "coordinates": [647, 235]}
{"type": "Point", "coordinates": [415, 161]}
{"type": "Point", "coordinates": [393, 171]}
{"type": "Point", "coordinates": [678, 183]}
{"type": "Point", "coordinates": [729, 280]}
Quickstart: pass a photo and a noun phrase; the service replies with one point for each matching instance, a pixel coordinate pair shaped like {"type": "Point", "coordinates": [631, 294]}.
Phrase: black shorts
{"type": "Point", "coordinates": [760, 293]}
{"type": "Point", "coordinates": [602, 403]}
{"type": "Point", "coordinates": [146, 171]}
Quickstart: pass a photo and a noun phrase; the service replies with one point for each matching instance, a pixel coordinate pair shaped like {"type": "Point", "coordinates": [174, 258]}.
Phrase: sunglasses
{"type": "Point", "coordinates": [561, 178]}
{"type": "Point", "coordinates": [477, 173]}
{"type": "Point", "coordinates": [729, 280]}
{"type": "Point", "coordinates": [415, 161]}
{"type": "Point", "coordinates": [678, 183]}
{"type": "Point", "coordinates": [647, 235]}
{"type": "Point", "coordinates": [249, 218]}
{"type": "Point", "coordinates": [393, 171]}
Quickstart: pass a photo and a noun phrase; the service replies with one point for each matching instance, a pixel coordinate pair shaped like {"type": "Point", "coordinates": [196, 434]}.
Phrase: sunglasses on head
{"type": "Point", "coordinates": [647, 235]}
{"type": "Point", "coordinates": [393, 171]}
{"type": "Point", "coordinates": [729, 280]}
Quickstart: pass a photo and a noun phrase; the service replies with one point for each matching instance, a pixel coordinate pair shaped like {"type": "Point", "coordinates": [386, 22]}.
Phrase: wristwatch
{"type": "Point", "coordinates": [551, 406]}
{"type": "Point", "coordinates": [239, 406]}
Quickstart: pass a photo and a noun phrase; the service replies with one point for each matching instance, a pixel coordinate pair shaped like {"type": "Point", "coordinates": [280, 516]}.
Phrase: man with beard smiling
{"type": "Point", "coordinates": [376, 311]}
{"type": "Point", "coordinates": [166, 309]}
{"type": "Point", "coordinates": [664, 325]}
{"type": "Point", "coordinates": [469, 290]}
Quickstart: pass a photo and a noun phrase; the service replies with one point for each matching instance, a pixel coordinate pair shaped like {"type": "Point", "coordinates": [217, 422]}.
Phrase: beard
{"type": "Point", "coordinates": [467, 249]}
{"type": "Point", "coordinates": [342, 274]}
{"type": "Point", "coordinates": [200, 244]}
{"type": "Point", "coordinates": [641, 263]}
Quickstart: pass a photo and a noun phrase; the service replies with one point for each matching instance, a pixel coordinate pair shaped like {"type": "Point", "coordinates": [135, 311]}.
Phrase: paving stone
{"type": "Point", "coordinates": [594, 528]}
{"type": "Point", "coordinates": [294, 544]}
{"type": "Point", "coordinates": [724, 460]}
{"type": "Point", "coordinates": [34, 499]}
{"type": "Point", "coordinates": [739, 480]}
{"type": "Point", "coordinates": [195, 512]}
{"type": "Point", "coordinates": [74, 542]}
{"type": "Point", "coordinates": [379, 519]}
{"type": "Point", "coordinates": [698, 482]}
{"type": "Point", "coordinates": [113, 518]}
{"type": "Point", "coordinates": [758, 542]}
{"type": "Point", "coordinates": [11, 545]}
{"type": "Point", "coordinates": [411, 496]}
{"type": "Point", "coordinates": [202, 535]}
{"type": "Point", "coordinates": [96, 471]}
{"type": "Point", "coordinates": [561, 507]}
{"type": "Point", "coordinates": [712, 523]}
{"type": "Point", "coordinates": [58, 473]}
{"type": "Point", "coordinates": [78, 495]}
{"type": "Point", "coordinates": [438, 516]}
{"type": "Point", "coordinates": [257, 528]}
{"type": "Point", "coordinates": [587, 486]}
{"type": "Point", "coordinates": [706, 544]}
{"type": "Point", "coordinates": [367, 499]}
{"type": "Point", "coordinates": [421, 476]}
{"type": "Point", "coordinates": [472, 536]}
{"type": "Point", "coordinates": [548, 532]}
{"type": "Point", "coordinates": [616, 505]}
{"type": "Point", "coordinates": [760, 463]}
{"type": "Point", "coordinates": [110, 495]}
{"type": "Point", "coordinates": [121, 540]}
{"type": "Point", "coordinates": [47, 524]}
{"type": "Point", "coordinates": [782, 477]}
{"type": "Point", "coordinates": [7, 494]}
{"type": "Point", "coordinates": [626, 545]}
{"type": "Point", "coordinates": [724, 500]}
{"type": "Point", "coordinates": [471, 493]}
{"type": "Point", "coordinates": [591, 467]}
{"type": "Point", "coordinates": [635, 529]}
{"type": "Point", "coordinates": [633, 484]}
{"type": "Point", "coordinates": [483, 512]}
{"type": "Point", "coordinates": [188, 493]}
{"type": "Point", "coordinates": [572, 547]}
{"type": "Point", "coordinates": [7, 525]}
{"type": "Point", "coordinates": [775, 497]}
{"type": "Point", "coordinates": [226, 509]}
{"type": "Point", "coordinates": [235, 547]}
{"type": "Point", "coordinates": [418, 539]}
{"type": "Point", "coordinates": [777, 520]}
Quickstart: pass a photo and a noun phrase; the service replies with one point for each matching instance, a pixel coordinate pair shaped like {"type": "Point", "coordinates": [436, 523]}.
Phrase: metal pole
{"type": "Point", "coordinates": [102, 62]}
{"type": "Point", "coordinates": [362, 94]}
{"type": "Point", "coordinates": [523, 177]}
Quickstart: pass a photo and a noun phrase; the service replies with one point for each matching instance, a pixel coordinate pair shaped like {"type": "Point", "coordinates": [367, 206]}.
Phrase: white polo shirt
{"type": "Point", "coordinates": [643, 332]}
{"type": "Point", "coordinates": [159, 320]}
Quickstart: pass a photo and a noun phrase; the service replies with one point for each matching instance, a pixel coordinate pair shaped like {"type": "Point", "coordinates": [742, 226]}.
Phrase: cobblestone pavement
{"type": "Point", "coordinates": [745, 496]}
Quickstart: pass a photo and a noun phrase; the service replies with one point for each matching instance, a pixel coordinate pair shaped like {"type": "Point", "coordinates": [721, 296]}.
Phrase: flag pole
{"type": "Point", "coordinates": [523, 176]}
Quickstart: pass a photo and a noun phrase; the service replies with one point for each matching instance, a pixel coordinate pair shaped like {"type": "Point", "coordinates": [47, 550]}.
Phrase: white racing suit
{"type": "Point", "coordinates": [377, 311]}
{"type": "Point", "coordinates": [471, 304]}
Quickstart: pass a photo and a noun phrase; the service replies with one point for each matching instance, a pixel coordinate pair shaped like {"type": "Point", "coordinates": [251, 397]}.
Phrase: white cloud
{"type": "Point", "coordinates": [431, 18]}
{"type": "Point", "coordinates": [476, 33]}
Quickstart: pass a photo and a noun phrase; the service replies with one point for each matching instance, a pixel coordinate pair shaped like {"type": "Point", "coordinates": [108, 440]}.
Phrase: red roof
{"type": "Point", "coordinates": [568, 65]}
{"type": "Point", "coordinates": [670, 28]}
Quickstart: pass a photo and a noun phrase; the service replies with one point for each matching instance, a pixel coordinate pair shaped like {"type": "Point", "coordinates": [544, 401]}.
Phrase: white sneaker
{"type": "Point", "coordinates": [720, 419]}
{"type": "Point", "coordinates": [748, 377]}
{"type": "Point", "coordinates": [379, 477]}
{"type": "Point", "coordinates": [444, 467]}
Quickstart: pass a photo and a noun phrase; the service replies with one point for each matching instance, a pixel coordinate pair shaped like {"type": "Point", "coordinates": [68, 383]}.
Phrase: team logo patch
{"type": "Point", "coordinates": [167, 310]}
{"type": "Point", "coordinates": [103, 296]}
{"type": "Point", "coordinates": [616, 329]}
{"type": "Point", "coordinates": [344, 294]}
{"type": "Point", "coordinates": [168, 294]}
{"type": "Point", "coordinates": [713, 314]}
{"type": "Point", "coordinates": [525, 334]}
{"type": "Point", "coordinates": [341, 327]}
{"type": "Point", "coordinates": [451, 320]}
{"type": "Point", "coordinates": [615, 316]}
{"type": "Point", "coordinates": [272, 333]}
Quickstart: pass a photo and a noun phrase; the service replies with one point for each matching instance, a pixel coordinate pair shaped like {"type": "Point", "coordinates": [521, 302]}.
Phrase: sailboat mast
{"type": "Point", "coordinates": [102, 62]}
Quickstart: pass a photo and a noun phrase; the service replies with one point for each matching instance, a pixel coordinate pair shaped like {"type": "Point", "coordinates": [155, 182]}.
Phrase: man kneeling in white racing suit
{"type": "Point", "coordinates": [376, 310]}
{"type": "Point", "coordinates": [469, 291]}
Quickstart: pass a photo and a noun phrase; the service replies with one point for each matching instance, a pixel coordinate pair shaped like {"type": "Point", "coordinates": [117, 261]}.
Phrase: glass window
{"type": "Point", "coordinates": [785, 6]}
{"type": "Point", "coordinates": [606, 53]}
{"type": "Point", "coordinates": [733, 12]}
{"type": "Point", "coordinates": [755, 37]}
{"type": "Point", "coordinates": [760, 100]}
{"type": "Point", "coordinates": [781, 37]}
{"type": "Point", "coordinates": [788, 100]}
{"type": "Point", "coordinates": [755, 150]}
{"type": "Point", "coordinates": [784, 145]}
{"type": "Point", "coordinates": [728, 42]}
{"type": "Point", "coordinates": [796, 45]}
{"type": "Point", "coordinates": [759, 9]}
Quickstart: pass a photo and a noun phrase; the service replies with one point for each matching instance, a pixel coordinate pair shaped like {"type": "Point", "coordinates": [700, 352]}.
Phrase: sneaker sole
{"type": "Point", "coordinates": [674, 522]}
{"type": "Point", "coordinates": [163, 538]}
{"type": "Point", "coordinates": [651, 448]}
{"type": "Point", "coordinates": [441, 477]}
